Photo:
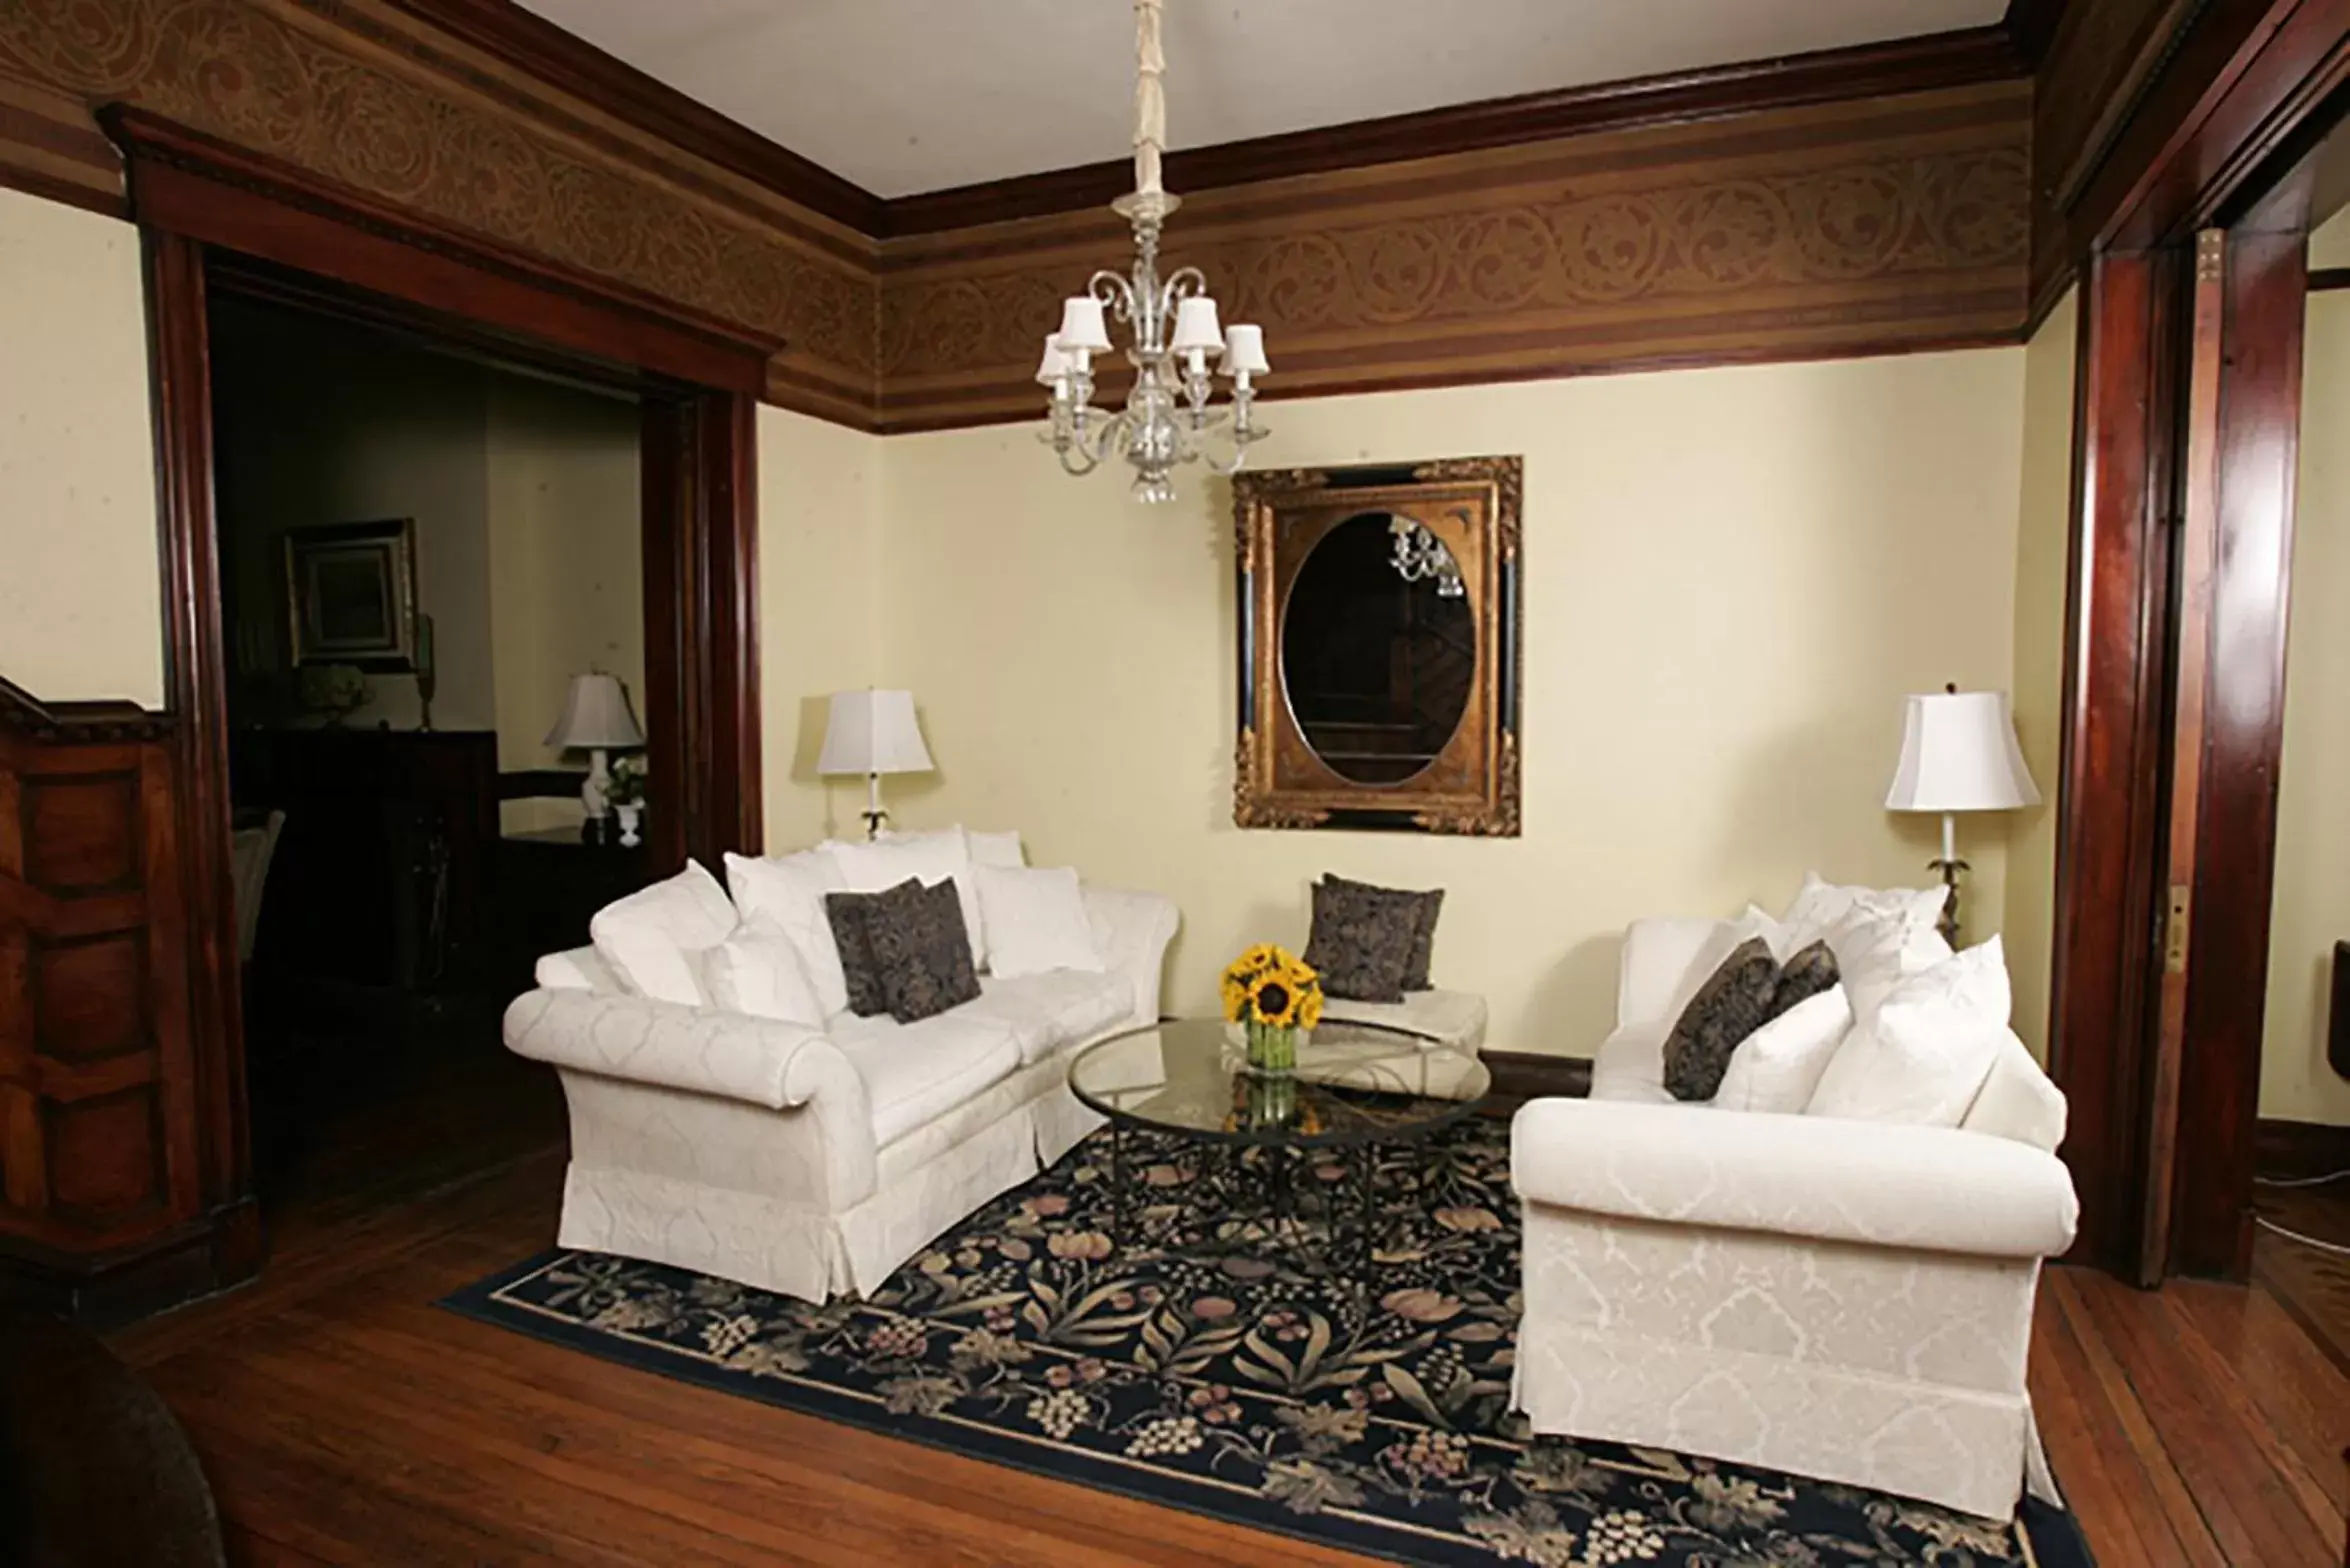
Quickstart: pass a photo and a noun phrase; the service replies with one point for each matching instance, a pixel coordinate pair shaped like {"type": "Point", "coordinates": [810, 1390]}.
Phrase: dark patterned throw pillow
{"type": "Point", "coordinates": [1734, 1002]}
{"type": "Point", "coordinates": [849, 915]}
{"type": "Point", "coordinates": [1811, 971]}
{"type": "Point", "coordinates": [1360, 946]}
{"type": "Point", "coordinates": [923, 951]}
{"type": "Point", "coordinates": [1424, 907]}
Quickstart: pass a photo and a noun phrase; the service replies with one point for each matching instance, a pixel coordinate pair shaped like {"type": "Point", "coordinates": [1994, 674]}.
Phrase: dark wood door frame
{"type": "Point", "coordinates": [207, 209]}
{"type": "Point", "coordinates": [2126, 1149]}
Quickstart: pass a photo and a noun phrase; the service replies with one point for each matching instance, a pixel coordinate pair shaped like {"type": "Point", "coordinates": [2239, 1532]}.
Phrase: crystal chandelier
{"type": "Point", "coordinates": [1420, 554]}
{"type": "Point", "coordinates": [1167, 419]}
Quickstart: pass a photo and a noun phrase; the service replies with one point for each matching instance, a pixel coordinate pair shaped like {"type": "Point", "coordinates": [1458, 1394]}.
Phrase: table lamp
{"type": "Point", "coordinates": [1959, 753]}
{"type": "Point", "coordinates": [873, 732]}
{"type": "Point", "coordinates": [596, 719]}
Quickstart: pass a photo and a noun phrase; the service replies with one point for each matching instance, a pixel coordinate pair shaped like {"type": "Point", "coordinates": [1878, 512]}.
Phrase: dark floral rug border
{"type": "Point", "coordinates": [1212, 1378]}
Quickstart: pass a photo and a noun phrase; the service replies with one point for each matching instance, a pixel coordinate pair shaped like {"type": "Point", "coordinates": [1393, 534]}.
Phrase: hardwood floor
{"type": "Point", "coordinates": [345, 1419]}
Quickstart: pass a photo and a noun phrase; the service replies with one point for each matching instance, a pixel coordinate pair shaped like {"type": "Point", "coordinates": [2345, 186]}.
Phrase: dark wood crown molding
{"type": "Point", "coordinates": [1954, 59]}
{"type": "Point", "coordinates": [565, 61]}
{"type": "Point", "coordinates": [22, 713]}
{"type": "Point", "coordinates": [568, 62]}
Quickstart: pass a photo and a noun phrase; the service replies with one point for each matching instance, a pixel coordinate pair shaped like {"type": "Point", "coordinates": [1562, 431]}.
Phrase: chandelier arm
{"type": "Point", "coordinates": [1114, 291]}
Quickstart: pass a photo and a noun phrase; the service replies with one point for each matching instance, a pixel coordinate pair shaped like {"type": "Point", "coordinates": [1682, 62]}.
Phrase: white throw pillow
{"type": "Point", "coordinates": [1778, 1067]}
{"type": "Point", "coordinates": [1035, 921]}
{"type": "Point", "coordinates": [787, 891]}
{"type": "Point", "coordinates": [929, 858]}
{"type": "Point", "coordinates": [758, 971]}
{"type": "Point", "coordinates": [997, 849]}
{"type": "Point", "coordinates": [654, 938]}
{"type": "Point", "coordinates": [1923, 1057]}
{"type": "Point", "coordinates": [1880, 936]}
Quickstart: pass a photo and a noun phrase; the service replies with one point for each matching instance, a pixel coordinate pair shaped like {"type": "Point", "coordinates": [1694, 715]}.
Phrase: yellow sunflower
{"type": "Point", "coordinates": [1274, 998]}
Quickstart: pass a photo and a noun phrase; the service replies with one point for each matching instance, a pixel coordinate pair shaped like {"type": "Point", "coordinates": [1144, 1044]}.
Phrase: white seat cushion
{"type": "Point", "coordinates": [916, 1072]}
{"type": "Point", "coordinates": [1455, 1017]}
{"type": "Point", "coordinates": [1050, 1011]}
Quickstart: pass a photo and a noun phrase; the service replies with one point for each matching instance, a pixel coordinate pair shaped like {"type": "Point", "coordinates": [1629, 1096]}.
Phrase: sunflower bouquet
{"type": "Point", "coordinates": [1272, 994]}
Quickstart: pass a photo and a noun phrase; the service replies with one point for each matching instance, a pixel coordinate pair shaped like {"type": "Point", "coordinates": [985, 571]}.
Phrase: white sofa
{"type": "Point", "coordinates": [1850, 1300]}
{"type": "Point", "coordinates": [816, 1161]}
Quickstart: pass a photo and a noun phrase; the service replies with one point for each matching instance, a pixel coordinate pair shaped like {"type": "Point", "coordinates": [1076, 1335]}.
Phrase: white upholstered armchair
{"type": "Point", "coordinates": [1850, 1300]}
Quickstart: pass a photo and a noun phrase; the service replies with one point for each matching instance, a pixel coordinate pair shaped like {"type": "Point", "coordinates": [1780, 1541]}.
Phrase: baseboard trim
{"type": "Point", "coordinates": [1533, 1075]}
{"type": "Point", "coordinates": [2289, 1149]}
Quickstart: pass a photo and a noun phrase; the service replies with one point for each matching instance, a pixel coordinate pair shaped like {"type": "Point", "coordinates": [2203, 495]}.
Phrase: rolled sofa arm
{"type": "Point", "coordinates": [1132, 930]}
{"type": "Point", "coordinates": [1931, 1189]}
{"type": "Point", "coordinates": [755, 1060]}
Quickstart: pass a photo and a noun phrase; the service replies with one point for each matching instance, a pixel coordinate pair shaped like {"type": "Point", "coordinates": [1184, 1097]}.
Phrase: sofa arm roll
{"type": "Point", "coordinates": [1132, 930]}
{"type": "Point", "coordinates": [1931, 1189]}
{"type": "Point", "coordinates": [755, 1060]}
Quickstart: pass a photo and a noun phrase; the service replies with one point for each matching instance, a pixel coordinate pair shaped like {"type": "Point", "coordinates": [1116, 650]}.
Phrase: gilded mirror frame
{"type": "Point", "coordinates": [1473, 507]}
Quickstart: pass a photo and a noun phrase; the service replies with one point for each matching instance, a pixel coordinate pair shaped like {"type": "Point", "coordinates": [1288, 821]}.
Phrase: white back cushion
{"type": "Point", "coordinates": [1880, 936]}
{"type": "Point", "coordinates": [1922, 1058]}
{"type": "Point", "coordinates": [1036, 921]}
{"type": "Point", "coordinates": [788, 892]}
{"type": "Point", "coordinates": [2018, 1100]}
{"type": "Point", "coordinates": [930, 858]}
{"type": "Point", "coordinates": [758, 971]}
{"type": "Point", "coordinates": [654, 937]}
{"type": "Point", "coordinates": [1658, 953]}
{"type": "Point", "coordinates": [1778, 1067]}
{"type": "Point", "coordinates": [997, 849]}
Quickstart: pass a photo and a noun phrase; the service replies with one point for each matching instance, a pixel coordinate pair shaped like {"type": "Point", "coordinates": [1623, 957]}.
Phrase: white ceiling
{"type": "Point", "coordinates": [918, 95]}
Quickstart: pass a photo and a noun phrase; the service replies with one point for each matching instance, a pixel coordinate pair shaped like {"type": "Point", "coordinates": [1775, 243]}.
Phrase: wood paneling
{"type": "Point", "coordinates": [1835, 229]}
{"type": "Point", "coordinates": [102, 1130]}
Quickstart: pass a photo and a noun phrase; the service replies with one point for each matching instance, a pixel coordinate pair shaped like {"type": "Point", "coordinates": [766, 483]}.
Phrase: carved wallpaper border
{"type": "Point", "coordinates": [1831, 229]}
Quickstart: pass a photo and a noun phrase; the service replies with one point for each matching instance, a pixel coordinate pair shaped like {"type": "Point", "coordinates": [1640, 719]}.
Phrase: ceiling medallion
{"type": "Point", "coordinates": [1167, 418]}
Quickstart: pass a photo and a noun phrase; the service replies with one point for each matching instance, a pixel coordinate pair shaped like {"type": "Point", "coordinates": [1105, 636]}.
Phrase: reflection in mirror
{"type": "Point", "coordinates": [1379, 648]}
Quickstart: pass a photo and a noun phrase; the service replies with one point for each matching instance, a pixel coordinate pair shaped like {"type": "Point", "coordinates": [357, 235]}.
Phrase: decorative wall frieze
{"type": "Point", "coordinates": [1831, 229]}
{"type": "Point", "coordinates": [1800, 230]}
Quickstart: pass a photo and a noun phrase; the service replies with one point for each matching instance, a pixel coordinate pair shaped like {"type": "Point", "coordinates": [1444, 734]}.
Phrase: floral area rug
{"type": "Point", "coordinates": [1370, 1416]}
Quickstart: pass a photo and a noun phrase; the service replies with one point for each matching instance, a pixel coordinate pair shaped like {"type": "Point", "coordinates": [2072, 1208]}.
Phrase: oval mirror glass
{"type": "Point", "coordinates": [1378, 648]}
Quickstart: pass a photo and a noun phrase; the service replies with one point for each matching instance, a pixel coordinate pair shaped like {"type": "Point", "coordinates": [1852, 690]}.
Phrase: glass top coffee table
{"type": "Point", "coordinates": [1206, 1153]}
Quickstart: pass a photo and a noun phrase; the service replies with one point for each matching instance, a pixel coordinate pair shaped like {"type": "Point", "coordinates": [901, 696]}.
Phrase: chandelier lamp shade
{"type": "Point", "coordinates": [1168, 418]}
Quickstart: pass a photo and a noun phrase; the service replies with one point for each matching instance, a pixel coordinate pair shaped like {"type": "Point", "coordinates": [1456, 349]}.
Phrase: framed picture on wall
{"type": "Point", "coordinates": [351, 594]}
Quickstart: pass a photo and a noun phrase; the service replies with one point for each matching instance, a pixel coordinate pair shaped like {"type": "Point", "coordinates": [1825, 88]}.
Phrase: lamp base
{"type": "Point", "coordinates": [1948, 924]}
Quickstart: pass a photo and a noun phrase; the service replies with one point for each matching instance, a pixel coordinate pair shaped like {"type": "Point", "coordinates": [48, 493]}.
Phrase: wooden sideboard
{"type": "Point", "coordinates": [122, 1180]}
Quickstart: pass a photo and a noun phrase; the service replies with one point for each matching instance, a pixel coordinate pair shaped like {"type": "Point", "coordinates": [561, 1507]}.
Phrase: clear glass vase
{"type": "Point", "coordinates": [1272, 1049]}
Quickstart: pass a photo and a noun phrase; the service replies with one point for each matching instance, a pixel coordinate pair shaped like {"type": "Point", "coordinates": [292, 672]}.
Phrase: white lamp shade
{"type": "Point", "coordinates": [1082, 329]}
{"type": "Point", "coordinates": [873, 732]}
{"type": "Point", "coordinates": [1055, 367]}
{"type": "Point", "coordinates": [1244, 351]}
{"type": "Point", "coordinates": [595, 714]}
{"type": "Point", "coordinates": [1959, 753]}
{"type": "Point", "coordinates": [1196, 328]}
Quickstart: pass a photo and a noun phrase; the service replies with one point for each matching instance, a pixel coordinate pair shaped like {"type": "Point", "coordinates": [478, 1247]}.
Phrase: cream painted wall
{"type": "Point", "coordinates": [2311, 910]}
{"type": "Point", "coordinates": [2330, 245]}
{"type": "Point", "coordinates": [2042, 546]}
{"type": "Point", "coordinates": [81, 606]}
{"type": "Point", "coordinates": [820, 575]}
{"type": "Point", "coordinates": [1733, 576]}
{"type": "Point", "coordinates": [566, 565]}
